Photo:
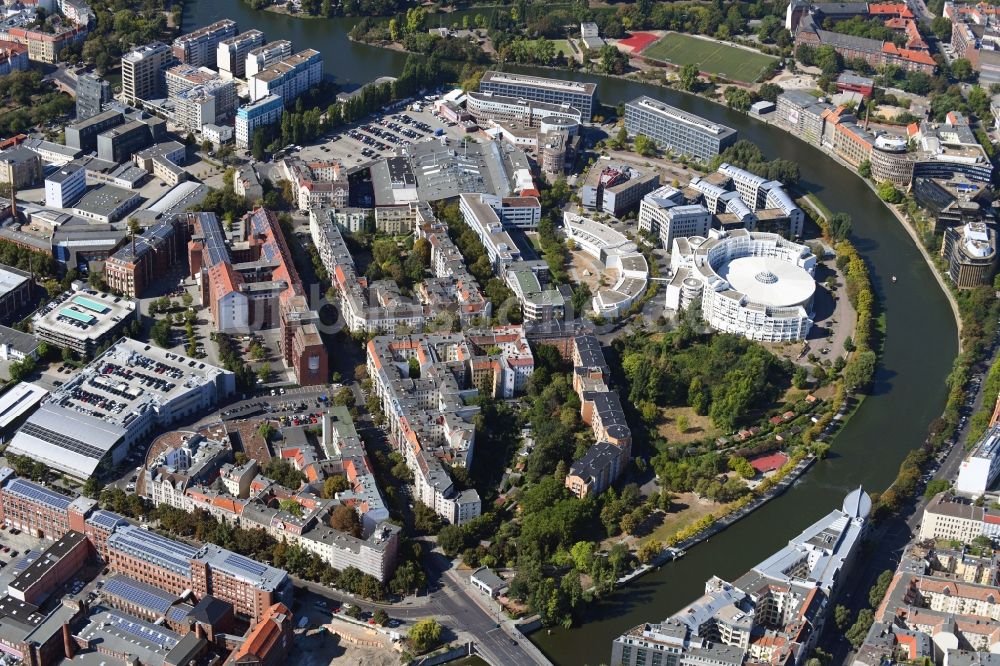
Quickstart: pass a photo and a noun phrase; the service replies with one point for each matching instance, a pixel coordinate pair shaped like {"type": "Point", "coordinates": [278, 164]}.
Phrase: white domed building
{"type": "Point", "coordinates": [753, 284]}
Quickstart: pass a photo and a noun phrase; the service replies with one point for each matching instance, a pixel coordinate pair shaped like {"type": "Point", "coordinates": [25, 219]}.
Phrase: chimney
{"type": "Point", "coordinates": [199, 631]}
{"type": "Point", "coordinates": [68, 646]}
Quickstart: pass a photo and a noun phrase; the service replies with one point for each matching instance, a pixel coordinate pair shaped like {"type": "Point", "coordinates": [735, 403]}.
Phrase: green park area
{"type": "Point", "coordinates": [711, 57]}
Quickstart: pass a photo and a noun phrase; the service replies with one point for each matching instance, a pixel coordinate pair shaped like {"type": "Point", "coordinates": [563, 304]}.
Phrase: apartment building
{"type": "Point", "coordinates": [199, 48]}
{"type": "Point", "coordinates": [288, 78]}
{"type": "Point", "coordinates": [142, 72]}
{"type": "Point", "coordinates": [250, 117]}
{"type": "Point", "coordinates": [231, 54]}
{"type": "Point", "coordinates": [262, 57]}
{"type": "Point", "coordinates": [664, 214]}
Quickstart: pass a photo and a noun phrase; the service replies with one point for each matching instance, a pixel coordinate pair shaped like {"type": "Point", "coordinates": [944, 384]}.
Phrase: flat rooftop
{"type": "Point", "coordinates": [679, 115]}
{"type": "Point", "coordinates": [104, 200]}
{"type": "Point", "coordinates": [11, 278]}
{"type": "Point", "coordinates": [561, 85]}
{"type": "Point", "coordinates": [83, 315]}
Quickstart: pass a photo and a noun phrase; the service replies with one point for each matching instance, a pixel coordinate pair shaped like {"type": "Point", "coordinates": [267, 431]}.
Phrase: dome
{"type": "Point", "coordinates": [857, 504]}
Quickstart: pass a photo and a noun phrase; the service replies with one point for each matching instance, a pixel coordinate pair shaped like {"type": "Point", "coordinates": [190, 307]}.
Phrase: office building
{"type": "Point", "coordinates": [83, 134]}
{"type": "Point", "coordinates": [760, 616]}
{"type": "Point", "coordinates": [249, 117]}
{"type": "Point", "coordinates": [82, 321]}
{"type": "Point", "coordinates": [231, 55]}
{"type": "Point", "coordinates": [107, 204]}
{"type": "Point", "coordinates": [288, 78]}
{"type": "Point", "coordinates": [615, 252]}
{"type": "Point", "coordinates": [262, 57]}
{"type": "Point", "coordinates": [677, 130]}
{"type": "Point", "coordinates": [118, 144]}
{"type": "Point", "coordinates": [578, 95]}
{"type": "Point", "coordinates": [20, 167]}
{"type": "Point", "coordinates": [617, 189]}
{"type": "Point", "coordinates": [142, 72]}
{"type": "Point", "coordinates": [971, 253]}
{"type": "Point", "coordinates": [64, 187]}
{"type": "Point", "coordinates": [199, 48]}
{"type": "Point", "coordinates": [163, 161]}
{"type": "Point", "coordinates": [754, 284]}
{"type": "Point", "coordinates": [16, 292]}
{"type": "Point", "coordinates": [980, 467]}
{"type": "Point", "coordinates": [664, 214]}
{"type": "Point", "coordinates": [92, 93]}
{"type": "Point", "coordinates": [89, 424]}
{"type": "Point", "coordinates": [137, 264]}
{"type": "Point", "coordinates": [485, 106]}
{"type": "Point", "coordinates": [54, 566]}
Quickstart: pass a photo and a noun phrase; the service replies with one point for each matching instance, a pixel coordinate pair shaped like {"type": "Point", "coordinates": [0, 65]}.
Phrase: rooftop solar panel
{"type": "Point", "coordinates": [140, 594]}
{"type": "Point", "coordinates": [105, 519]}
{"type": "Point", "coordinates": [160, 637]}
{"type": "Point", "coordinates": [37, 493]}
{"type": "Point", "coordinates": [245, 563]}
{"type": "Point", "coordinates": [153, 548]}
{"type": "Point", "coordinates": [62, 441]}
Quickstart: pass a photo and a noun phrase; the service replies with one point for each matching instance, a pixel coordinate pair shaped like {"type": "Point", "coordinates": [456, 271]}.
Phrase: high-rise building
{"type": "Point", "coordinates": [142, 72]}
{"type": "Point", "coordinates": [263, 57]}
{"type": "Point", "coordinates": [199, 48]}
{"type": "Point", "coordinates": [231, 54]}
{"type": "Point", "coordinates": [677, 130]}
{"type": "Point", "coordinates": [538, 89]}
{"type": "Point", "coordinates": [288, 78]}
{"type": "Point", "coordinates": [91, 93]}
{"type": "Point", "coordinates": [249, 117]}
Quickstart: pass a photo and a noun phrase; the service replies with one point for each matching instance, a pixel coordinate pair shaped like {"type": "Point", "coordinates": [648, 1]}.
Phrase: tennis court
{"type": "Point", "coordinates": [712, 57]}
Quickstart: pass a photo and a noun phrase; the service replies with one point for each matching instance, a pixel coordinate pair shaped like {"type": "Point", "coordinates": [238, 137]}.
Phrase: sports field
{"type": "Point", "coordinates": [712, 57]}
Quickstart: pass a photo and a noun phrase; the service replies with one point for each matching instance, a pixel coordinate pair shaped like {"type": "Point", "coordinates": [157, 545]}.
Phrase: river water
{"type": "Point", "coordinates": [920, 346]}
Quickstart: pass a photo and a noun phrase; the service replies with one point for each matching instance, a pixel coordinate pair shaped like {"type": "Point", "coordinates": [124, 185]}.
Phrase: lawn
{"type": "Point", "coordinates": [563, 46]}
{"type": "Point", "coordinates": [711, 57]}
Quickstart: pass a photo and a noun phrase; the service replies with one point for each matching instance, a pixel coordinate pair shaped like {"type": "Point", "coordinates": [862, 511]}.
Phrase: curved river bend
{"type": "Point", "coordinates": [910, 390]}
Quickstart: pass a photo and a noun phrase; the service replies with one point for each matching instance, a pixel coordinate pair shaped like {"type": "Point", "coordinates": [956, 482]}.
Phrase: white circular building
{"type": "Point", "coordinates": [753, 284]}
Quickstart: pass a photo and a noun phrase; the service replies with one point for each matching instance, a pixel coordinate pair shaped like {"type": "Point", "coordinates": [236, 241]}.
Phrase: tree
{"type": "Point", "coordinates": [880, 587]}
{"type": "Point", "coordinates": [266, 431]}
{"type": "Point", "coordinates": [840, 225]}
{"type": "Point", "coordinates": [842, 617]}
{"type": "Point", "coordinates": [689, 77]}
{"type": "Point", "coordinates": [264, 371]}
{"type": "Point", "coordinates": [742, 466]}
{"type": "Point", "coordinates": [92, 488]}
{"type": "Point", "coordinates": [380, 617]}
{"type": "Point", "coordinates": [344, 397]}
{"type": "Point", "coordinates": [649, 551]}
{"type": "Point", "coordinates": [644, 145]}
{"type": "Point", "coordinates": [413, 365]}
{"type": "Point", "coordinates": [738, 98]}
{"type": "Point", "coordinates": [451, 538]}
{"type": "Point", "coordinates": [187, 299]}
{"type": "Point", "coordinates": [337, 483]}
{"type": "Point", "coordinates": [962, 70]}
{"type": "Point", "coordinates": [769, 92]}
{"type": "Point", "coordinates": [860, 371]}
{"type": "Point", "coordinates": [936, 486]}
{"type": "Point", "coordinates": [345, 519]}
{"type": "Point", "coordinates": [888, 193]}
{"type": "Point", "coordinates": [941, 27]}
{"type": "Point", "coordinates": [160, 333]}
{"type": "Point", "coordinates": [425, 635]}
{"type": "Point", "coordinates": [865, 169]}
{"type": "Point", "coordinates": [859, 630]}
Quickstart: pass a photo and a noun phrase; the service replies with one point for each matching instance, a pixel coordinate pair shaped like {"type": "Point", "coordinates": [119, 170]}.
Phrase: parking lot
{"type": "Point", "coordinates": [379, 137]}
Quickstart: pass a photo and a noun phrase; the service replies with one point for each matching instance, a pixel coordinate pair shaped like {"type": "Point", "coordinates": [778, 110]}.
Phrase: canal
{"type": "Point", "coordinates": [921, 343]}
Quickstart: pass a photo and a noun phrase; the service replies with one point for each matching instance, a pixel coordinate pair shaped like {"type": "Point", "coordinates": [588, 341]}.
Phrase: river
{"type": "Point", "coordinates": [921, 344]}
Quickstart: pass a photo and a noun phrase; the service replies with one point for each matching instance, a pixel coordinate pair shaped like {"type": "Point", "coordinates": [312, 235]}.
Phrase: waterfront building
{"type": "Point", "coordinates": [953, 517]}
{"type": "Point", "coordinates": [199, 48]}
{"type": "Point", "coordinates": [980, 467]}
{"type": "Point", "coordinates": [288, 78]}
{"type": "Point", "coordinates": [802, 114]}
{"type": "Point", "coordinates": [754, 284]}
{"type": "Point", "coordinates": [486, 106]}
{"type": "Point", "coordinates": [262, 57]}
{"type": "Point", "coordinates": [231, 54]}
{"type": "Point", "coordinates": [971, 253]}
{"type": "Point", "coordinates": [760, 616]}
{"type": "Point", "coordinates": [892, 161]}
{"type": "Point", "coordinates": [578, 95]}
{"type": "Point", "coordinates": [677, 130]}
